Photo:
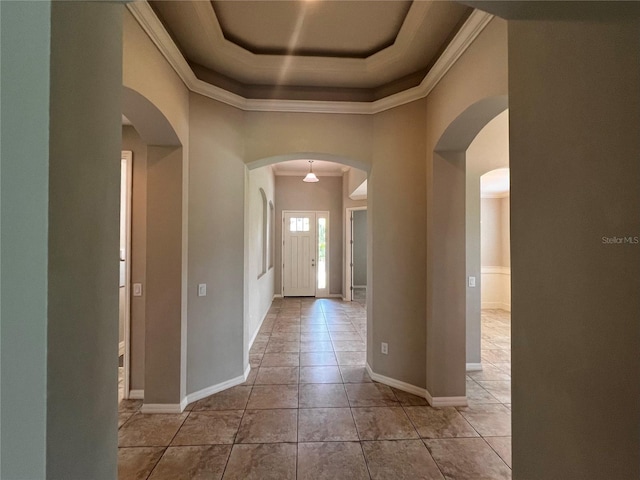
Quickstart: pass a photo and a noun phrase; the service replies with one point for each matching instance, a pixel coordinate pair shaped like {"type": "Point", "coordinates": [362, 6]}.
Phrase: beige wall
{"type": "Point", "coordinates": [132, 141]}
{"type": "Point", "coordinates": [575, 176]}
{"type": "Point", "coordinates": [269, 134]}
{"type": "Point", "coordinates": [495, 231]}
{"type": "Point", "coordinates": [216, 244]}
{"type": "Point", "coordinates": [495, 248]}
{"type": "Point", "coordinates": [397, 229]}
{"type": "Point", "coordinates": [491, 232]}
{"type": "Point", "coordinates": [260, 286]}
{"type": "Point", "coordinates": [359, 258]}
{"type": "Point", "coordinates": [291, 193]}
{"type": "Point", "coordinates": [505, 217]}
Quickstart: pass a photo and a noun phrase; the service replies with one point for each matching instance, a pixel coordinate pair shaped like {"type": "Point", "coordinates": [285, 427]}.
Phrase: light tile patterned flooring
{"type": "Point", "coordinates": [310, 411]}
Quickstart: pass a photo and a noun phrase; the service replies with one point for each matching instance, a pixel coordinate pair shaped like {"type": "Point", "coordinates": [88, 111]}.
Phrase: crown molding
{"type": "Point", "coordinates": [152, 26]}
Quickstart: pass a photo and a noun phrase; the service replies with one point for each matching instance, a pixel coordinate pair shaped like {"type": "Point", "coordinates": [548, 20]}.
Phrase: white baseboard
{"type": "Point", "coordinates": [164, 407]}
{"type": "Point", "coordinates": [277, 295]}
{"type": "Point", "coordinates": [121, 348]}
{"type": "Point", "coordinates": [392, 382]}
{"type": "Point", "coordinates": [446, 401]}
{"type": "Point", "coordinates": [474, 367]}
{"type": "Point", "coordinates": [333, 295]}
{"type": "Point", "coordinates": [205, 392]}
{"type": "Point", "coordinates": [136, 394]}
{"type": "Point", "coordinates": [255, 334]}
{"type": "Point", "coordinates": [360, 286]}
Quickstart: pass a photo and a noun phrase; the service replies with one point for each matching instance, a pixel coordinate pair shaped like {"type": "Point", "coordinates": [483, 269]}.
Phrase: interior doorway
{"type": "Point", "coordinates": [305, 254]}
{"type": "Point", "coordinates": [124, 311]}
{"type": "Point", "coordinates": [356, 254]}
{"type": "Point", "coordinates": [495, 240]}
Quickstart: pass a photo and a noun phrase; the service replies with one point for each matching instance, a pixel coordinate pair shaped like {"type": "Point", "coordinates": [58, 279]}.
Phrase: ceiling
{"type": "Point", "coordinates": [311, 49]}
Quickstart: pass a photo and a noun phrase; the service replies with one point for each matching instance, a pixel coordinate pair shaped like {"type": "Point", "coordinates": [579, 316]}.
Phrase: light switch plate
{"type": "Point", "coordinates": [202, 289]}
{"type": "Point", "coordinates": [137, 289]}
{"type": "Point", "coordinates": [472, 281]}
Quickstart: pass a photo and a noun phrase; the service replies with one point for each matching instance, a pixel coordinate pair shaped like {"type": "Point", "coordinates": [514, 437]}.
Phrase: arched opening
{"type": "Point", "coordinates": [155, 367]}
{"type": "Point", "coordinates": [318, 210]}
{"type": "Point", "coordinates": [488, 151]}
{"type": "Point", "coordinates": [447, 271]}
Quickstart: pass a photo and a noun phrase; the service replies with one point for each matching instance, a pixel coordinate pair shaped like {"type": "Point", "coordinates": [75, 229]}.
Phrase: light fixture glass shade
{"type": "Point", "coordinates": [311, 177]}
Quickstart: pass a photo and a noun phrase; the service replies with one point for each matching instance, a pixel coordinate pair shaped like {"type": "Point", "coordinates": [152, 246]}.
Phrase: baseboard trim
{"type": "Point", "coordinates": [446, 401]}
{"type": "Point", "coordinates": [136, 394]}
{"type": "Point", "coordinates": [392, 382]}
{"type": "Point", "coordinates": [474, 367]}
{"type": "Point", "coordinates": [277, 295]}
{"type": "Point", "coordinates": [360, 286]}
{"type": "Point", "coordinates": [164, 407]}
{"type": "Point", "coordinates": [333, 295]}
{"type": "Point", "coordinates": [121, 348]}
{"type": "Point", "coordinates": [255, 334]}
{"type": "Point", "coordinates": [205, 392]}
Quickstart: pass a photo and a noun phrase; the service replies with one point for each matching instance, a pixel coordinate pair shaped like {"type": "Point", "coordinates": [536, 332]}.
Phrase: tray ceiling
{"type": "Point", "coordinates": [311, 50]}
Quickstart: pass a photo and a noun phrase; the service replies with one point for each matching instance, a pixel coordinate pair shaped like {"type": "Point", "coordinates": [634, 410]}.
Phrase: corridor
{"type": "Point", "coordinates": [309, 410]}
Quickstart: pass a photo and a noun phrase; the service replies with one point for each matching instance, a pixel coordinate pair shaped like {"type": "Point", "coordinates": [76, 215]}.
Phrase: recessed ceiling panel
{"type": "Point", "coordinates": [351, 29]}
{"type": "Point", "coordinates": [320, 50]}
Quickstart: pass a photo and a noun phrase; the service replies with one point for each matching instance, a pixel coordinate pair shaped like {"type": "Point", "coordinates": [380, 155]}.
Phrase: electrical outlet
{"type": "Point", "coordinates": [384, 348]}
{"type": "Point", "coordinates": [202, 289]}
{"type": "Point", "coordinates": [472, 281]}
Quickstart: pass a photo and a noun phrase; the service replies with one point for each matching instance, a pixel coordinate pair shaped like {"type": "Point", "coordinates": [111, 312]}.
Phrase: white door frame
{"type": "Point", "coordinates": [319, 214]}
{"type": "Point", "coordinates": [348, 267]}
{"type": "Point", "coordinates": [127, 156]}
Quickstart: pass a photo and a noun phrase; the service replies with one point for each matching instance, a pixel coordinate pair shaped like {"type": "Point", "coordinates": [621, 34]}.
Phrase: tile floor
{"type": "Point", "coordinates": [310, 411]}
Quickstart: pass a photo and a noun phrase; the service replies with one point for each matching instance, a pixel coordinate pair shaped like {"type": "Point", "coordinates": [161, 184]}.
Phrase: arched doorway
{"type": "Point", "coordinates": [277, 181]}
{"type": "Point", "coordinates": [155, 366]}
{"type": "Point", "coordinates": [447, 255]}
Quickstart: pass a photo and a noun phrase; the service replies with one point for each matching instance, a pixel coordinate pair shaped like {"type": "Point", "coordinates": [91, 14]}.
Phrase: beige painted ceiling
{"type": "Point", "coordinates": [311, 49]}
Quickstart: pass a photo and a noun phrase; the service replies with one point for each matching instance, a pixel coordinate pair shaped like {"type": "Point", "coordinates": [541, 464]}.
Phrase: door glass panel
{"type": "Point", "coordinates": [299, 224]}
{"type": "Point", "coordinates": [322, 253]}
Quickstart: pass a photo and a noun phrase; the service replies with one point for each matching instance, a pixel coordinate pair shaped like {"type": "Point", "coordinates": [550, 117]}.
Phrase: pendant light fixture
{"type": "Point", "coordinates": [311, 177]}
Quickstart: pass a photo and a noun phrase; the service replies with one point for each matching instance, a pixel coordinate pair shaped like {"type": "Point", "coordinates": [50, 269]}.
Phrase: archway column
{"type": "Point", "coordinates": [574, 89]}
{"type": "Point", "coordinates": [163, 296]}
{"type": "Point", "coordinates": [446, 319]}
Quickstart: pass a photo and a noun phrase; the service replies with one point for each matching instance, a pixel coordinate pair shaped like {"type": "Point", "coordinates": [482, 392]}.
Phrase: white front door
{"type": "Point", "coordinates": [299, 254]}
